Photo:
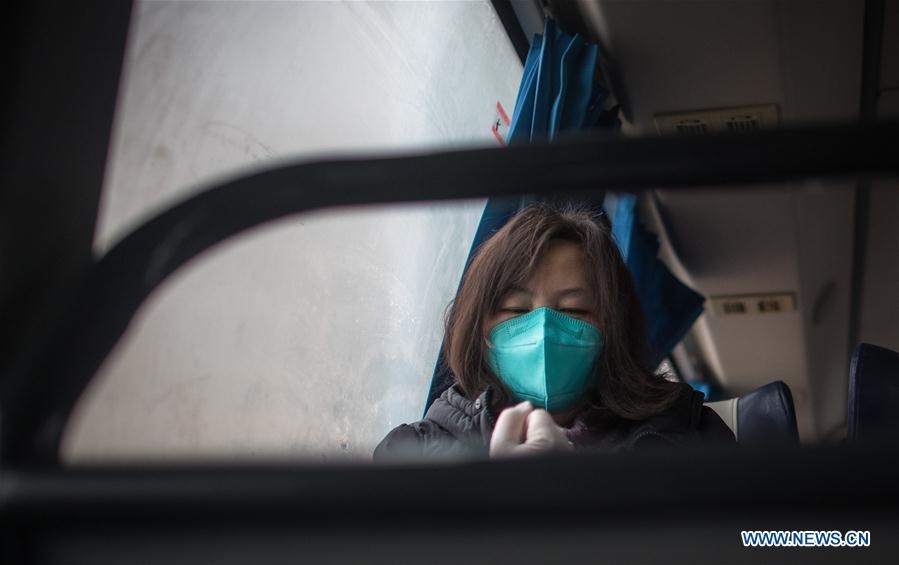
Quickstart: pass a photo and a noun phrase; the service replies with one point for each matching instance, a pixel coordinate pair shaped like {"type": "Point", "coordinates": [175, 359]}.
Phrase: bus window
{"type": "Point", "coordinates": [220, 363]}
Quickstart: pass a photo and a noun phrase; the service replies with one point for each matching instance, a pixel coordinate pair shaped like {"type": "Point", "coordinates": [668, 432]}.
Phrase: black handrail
{"type": "Point", "coordinates": [38, 399]}
{"type": "Point", "coordinates": [674, 506]}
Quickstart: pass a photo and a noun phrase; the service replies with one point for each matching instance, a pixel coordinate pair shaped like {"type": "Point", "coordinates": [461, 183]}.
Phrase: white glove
{"type": "Point", "coordinates": [524, 430]}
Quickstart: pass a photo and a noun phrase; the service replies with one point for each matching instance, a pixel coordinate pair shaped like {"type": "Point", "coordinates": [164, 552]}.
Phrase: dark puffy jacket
{"type": "Point", "coordinates": [456, 427]}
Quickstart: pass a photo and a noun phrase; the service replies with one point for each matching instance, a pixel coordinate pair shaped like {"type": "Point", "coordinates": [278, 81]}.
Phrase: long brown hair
{"type": "Point", "coordinates": [624, 385]}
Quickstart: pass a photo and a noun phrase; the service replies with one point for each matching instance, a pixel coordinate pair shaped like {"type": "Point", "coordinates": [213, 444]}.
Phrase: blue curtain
{"type": "Point", "coordinates": [670, 306]}
{"type": "Point", "coordinates": [559, 93]}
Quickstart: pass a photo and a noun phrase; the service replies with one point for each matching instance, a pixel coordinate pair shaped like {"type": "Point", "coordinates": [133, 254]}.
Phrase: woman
{"type": "Point", "coordinates": [547, 345]}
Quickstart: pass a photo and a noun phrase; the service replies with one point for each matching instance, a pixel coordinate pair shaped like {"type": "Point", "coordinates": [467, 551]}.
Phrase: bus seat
{"type": "Point", "coordinates": [761, 417]}
{"type": "Point", "coordinates": [873, 394]}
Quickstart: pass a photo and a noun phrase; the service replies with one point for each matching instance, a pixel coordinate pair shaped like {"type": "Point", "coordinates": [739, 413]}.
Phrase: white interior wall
{"type": "Point", "coordinates": [805, 57]}
{"type": "Point", "coordinates": [312, 337]}
{"type": "Point", "coordinates": [879, 323]}
{"type": "Point", "coordinates": [756, 239]}
{"type": "Point", "coordinates": [824, 231]}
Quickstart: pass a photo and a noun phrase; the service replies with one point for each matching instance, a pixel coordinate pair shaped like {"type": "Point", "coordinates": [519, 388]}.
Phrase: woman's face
{"type": "Point", "coordinates": [559, 281]}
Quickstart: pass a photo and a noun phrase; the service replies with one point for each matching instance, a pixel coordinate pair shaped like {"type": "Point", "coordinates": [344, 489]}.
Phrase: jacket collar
{"type": "Point", "coordinates": [464, 418]}
{"type": "Point", "coordinates": [472, 421]}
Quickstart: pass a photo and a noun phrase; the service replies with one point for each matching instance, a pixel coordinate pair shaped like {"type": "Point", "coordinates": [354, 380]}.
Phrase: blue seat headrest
{"type": "Point", "coordinates": [767, 415]}
{"type": "Point", "coordinates": [874, 394]}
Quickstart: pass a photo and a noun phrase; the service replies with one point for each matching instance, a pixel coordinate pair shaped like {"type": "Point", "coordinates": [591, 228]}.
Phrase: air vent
{"type": "Point", "coordinates": [753, 304]}
{"type": "Point", "coordinates": [691, 127]}
{"type": "Point", "coordinates": [698, 122]}
{"type": "Point", "coordinates": [742, 123]}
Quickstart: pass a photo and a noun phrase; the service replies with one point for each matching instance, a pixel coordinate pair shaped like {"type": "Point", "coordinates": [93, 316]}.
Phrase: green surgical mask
{"type": "Point", "coordinates": [545, 357]}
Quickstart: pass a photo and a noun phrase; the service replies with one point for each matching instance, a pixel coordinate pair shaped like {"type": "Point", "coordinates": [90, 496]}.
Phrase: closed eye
{"type": "Point", "coordinates": [575, 311]}
{"type": "Point", "coordinates": [515, 310]}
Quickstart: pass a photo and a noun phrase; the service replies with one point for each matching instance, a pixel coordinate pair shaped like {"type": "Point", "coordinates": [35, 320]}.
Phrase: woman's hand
{"type": "Point", "coordinates": [524, 430]}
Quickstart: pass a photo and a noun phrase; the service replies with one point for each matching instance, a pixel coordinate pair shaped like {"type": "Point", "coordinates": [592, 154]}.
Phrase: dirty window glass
{"type": "Point", "coordinates": [314, 336]}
